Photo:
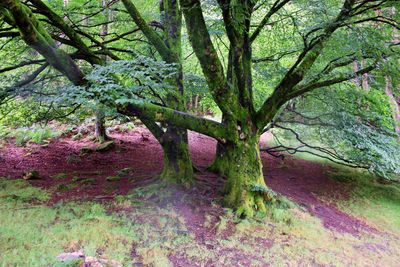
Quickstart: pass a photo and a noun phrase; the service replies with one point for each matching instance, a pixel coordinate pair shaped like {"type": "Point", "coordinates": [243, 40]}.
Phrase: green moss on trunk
{"type": "Point", "coordinates": [100, 129]}
{"type": "Point", "coordinates": [221, 163]}
{"type": "Point", "coordinates": [177, 162]}
{"type": "Point", "coordinates": [245, 189]}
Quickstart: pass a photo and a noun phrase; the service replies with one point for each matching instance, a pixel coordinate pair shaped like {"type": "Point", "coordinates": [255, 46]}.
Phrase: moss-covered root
{"type": "Point", "coordinates": [246, 203]}
{"type": "Point", "coordinates": [251, 204]}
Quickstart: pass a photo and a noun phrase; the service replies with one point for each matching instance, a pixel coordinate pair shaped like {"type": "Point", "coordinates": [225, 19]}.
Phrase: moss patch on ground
{"type": "Point", "coordinates": [157, 226]}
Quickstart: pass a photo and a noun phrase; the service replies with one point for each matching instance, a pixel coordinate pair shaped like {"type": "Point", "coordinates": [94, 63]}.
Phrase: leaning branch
{"type": "Point", "coordinates": [150, 34]}
{"type": "Point", "coordinates": [207, 55]}
{"type": "Point", "coordinates": [178, 118]}
{"type": "Point", "coordinates": [74, 37]}
{"type": "Point", "coordinates": [275, 8]}
{"type": "Point", "coordinates": [304, 63]}
{"type": "Point", "coordinates": [338, 79]}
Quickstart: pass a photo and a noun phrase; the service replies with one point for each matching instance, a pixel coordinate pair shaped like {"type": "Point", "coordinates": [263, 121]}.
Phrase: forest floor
{"type": "Point", "coordinates": [110, 205]}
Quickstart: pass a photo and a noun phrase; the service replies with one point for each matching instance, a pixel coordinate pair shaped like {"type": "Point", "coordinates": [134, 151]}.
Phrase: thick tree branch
{"type": "Point", "coordinates": [178, 118]}
{"type": "Point", "coordinates": [298, 71]}
{"type": "Point", "coordinates": [150, 34]}
{"type": "Point", "coordinates": [208, 56]}
{"type": "Point", "coordinates": [74, 37]}
{"type": "Point", "coordinates": [38, 38]}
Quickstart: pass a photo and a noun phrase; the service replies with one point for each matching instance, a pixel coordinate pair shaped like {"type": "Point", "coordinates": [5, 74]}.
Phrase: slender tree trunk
{"type": "Point", "coordinates": [364, 78]}
{"type": "Point", "coordinates": [393, 104]}
{"type": "Point", "coordinates": [178, 166]}
{"type": "Point", "coordinates": [100, 129]}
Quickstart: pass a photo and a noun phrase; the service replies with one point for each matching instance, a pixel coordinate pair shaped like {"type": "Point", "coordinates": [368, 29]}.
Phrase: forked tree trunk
{"type": "Point", "coordinates": [178, 167]}
{"type": "Point", "coordinates": [245, 188]}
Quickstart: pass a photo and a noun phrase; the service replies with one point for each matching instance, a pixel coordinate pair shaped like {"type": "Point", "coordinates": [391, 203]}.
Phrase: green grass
{"type": "Point", "coordinates": [377, 203]}
{"type": "Point", "coordinates": [33, 234]}
{"type": "Point", "coordinates": [136, 229]}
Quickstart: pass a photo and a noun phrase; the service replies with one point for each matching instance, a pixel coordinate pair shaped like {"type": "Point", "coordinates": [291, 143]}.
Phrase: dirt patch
{"type": "Point", "coordinates": [85, 176]}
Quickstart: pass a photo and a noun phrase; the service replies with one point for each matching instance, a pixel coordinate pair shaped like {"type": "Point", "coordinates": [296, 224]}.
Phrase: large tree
{"type": "Point", "coordinates": [177, 163]}
{"type": "Point", "coordinates": [232, 90]}
{"type": "Point", "coordinates": [232, 84]}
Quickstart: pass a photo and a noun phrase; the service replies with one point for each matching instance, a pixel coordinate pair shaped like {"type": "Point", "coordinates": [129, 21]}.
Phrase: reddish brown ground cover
{"type": "Point", "coordinates": [302, 181]}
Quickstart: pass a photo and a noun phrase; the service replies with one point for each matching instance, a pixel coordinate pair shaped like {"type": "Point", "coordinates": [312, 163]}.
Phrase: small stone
{"type": "Point", "coordinates": [31, 175]}
{"type": "Point", "coordinates": [113, 178]}
{"type": "Point", "coordinates": [63, 187]}
{"type": "Point", "coordinates": [77, 136]}
{"type": "Point", "coordinates": [124, 171]}
{"type": "Point", "coordinates": [86, 150]}
{"type": "Point", "coordinates": [105, 146]}
{"type": "Point", "coordinates": [63, 257]}
{"type": "Point", "coordinates": [88, 181]}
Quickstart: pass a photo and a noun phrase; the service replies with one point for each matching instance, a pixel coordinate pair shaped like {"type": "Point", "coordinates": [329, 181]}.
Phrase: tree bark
{"type": "Point", "coordinates": [100, 129]}
{"type": "Point", "coordinates": [393, 105]}
{"type": "Point", "coordinates": [245, 189]}
{"type": "Point", "coordinates": [177, 162]}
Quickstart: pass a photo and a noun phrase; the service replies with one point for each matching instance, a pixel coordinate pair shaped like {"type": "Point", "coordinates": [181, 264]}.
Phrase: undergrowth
{"type": "Point", "coordinates": [155, 224]}
{"type": "Point", "coordinates": [25, 135]}
{"type": "Point", "coordinates": [33, 234]}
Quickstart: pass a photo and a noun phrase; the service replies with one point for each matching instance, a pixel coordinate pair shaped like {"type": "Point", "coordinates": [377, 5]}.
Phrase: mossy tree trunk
{"type": "Point", "coordinates": [245, 188]}
{"type": "Point", "coordinates": [100, 128]}
{"type": "Point", "coordinates": [174, 141]}
{"type": "Point", "coordinates": [177, 162]}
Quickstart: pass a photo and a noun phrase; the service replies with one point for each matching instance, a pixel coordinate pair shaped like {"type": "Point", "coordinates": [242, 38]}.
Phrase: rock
{"type": "Point", "coordinates": [88, 181]}
{"type": "Point", "coordinates": [77, 136]}
{"type": "Point", "coordinates": [113, 178]}
{"type": "Point", "coordinates": [102, 262]}
{"type": "Point", "coordinates": [63, 187]}
{"type": "Point", "coordinates": [105, 146]}
{"type": "Point", "coordinates": [85, 150]}
{"type": "Point", "coordinates": [64, 257]}
{"type": "Point", "coordinates": [31, 175]}
{"type": "Point", "coordinates": [125, 171]}
{"type": "Point", "coordinates": [79, 259]}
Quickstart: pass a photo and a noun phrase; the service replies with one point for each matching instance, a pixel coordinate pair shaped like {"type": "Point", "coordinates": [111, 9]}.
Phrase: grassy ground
{"type": "Point", "coordinates": [136, 229]}
{"type": "Point", "coordinates": [377, 203]}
